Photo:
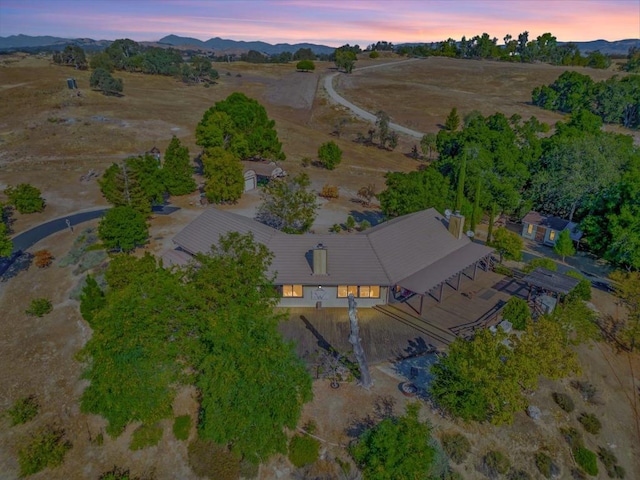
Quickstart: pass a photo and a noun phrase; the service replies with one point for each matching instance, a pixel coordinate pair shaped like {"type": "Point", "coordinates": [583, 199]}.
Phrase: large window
{"type": "Point", "coordinates": [359, 291]}
{"type": "Point", "coordinates": [292, 291]}
{"type": "Point", "coordinates": [530, 229]}
{"type": "Point", "coordinates": [552, 235]}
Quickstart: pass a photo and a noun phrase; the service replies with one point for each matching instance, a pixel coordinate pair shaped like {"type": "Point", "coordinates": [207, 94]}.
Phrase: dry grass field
{"type": "Point", "coordinates": [50, 136]}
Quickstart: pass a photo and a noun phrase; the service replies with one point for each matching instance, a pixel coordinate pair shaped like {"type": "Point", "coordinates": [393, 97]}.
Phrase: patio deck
{"type": "Point", "coordinates": [386, 337]}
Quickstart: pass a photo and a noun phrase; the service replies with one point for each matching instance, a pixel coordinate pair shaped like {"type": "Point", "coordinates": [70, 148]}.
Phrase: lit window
{"type": "Point", "coordinates": [370, 291]}
{"type": "Point", "coordinates": [530, 229]}
{"type": "Point", "coordinates": [552, 235]}
{"type": "Point", "coordinates": [345, 290]}
{"type": "Point", "coordinates": [292, 290]}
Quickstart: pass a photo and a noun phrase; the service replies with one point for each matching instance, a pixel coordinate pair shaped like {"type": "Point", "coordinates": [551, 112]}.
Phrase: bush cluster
{"type": "Point", "coordinates": [496, 463]}
{"type": "Point", "coordinates": [23, 410]}
{"type": "Point", "coordinates": [610, 462]}
{"type": "Point", "coordinates": [564, 401]}
{"type": "Point", "coordinates": [584, 457]}
{"type": "Point", "coordinates": [182, 427]}
{"type": "Point", "coordinates": [46, 448]}
{"type": "Point", "coordinates": [329, 191]}
{"type": "Point", "coordinates": [546, 466]}
{"type": "Point", "coordinates": [303, 450]}
{"type": "Point", "coordinates": [456, 446]}
{"type": "Point", "coordinates": [590, 423]}
{"type": "Point", "coordinates": [39, 307]}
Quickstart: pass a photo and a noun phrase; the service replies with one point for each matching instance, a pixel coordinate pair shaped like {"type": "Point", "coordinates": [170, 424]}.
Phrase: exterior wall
{"type": "Point", "coordinates": [547, 237]}
{"type": "Point", "coordinates": [526, 227]}
{"type": "Point", "coordinates": [330, 298]}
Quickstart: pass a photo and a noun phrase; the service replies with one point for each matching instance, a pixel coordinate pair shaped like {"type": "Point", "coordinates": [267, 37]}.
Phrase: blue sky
{"type": "Point", "coordinates": [327, 22]}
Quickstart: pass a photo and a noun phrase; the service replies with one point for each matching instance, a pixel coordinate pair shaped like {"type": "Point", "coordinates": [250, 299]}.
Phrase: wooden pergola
{"type": "Point", "coordinates": [550, 281]}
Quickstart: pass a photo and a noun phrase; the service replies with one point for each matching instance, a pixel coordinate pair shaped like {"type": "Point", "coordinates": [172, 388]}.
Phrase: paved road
{"type": "Point", "coordinates": [25, 240]}
{"type": "Point", "coordinates": [370, 117]}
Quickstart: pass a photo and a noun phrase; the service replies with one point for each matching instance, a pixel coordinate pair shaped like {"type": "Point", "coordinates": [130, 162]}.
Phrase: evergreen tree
{"type": "Point", "coordinates": [564, 245]}
{"type": "Point", "coordinates": [177, 171]}
{"type": "Point", "coordinates": [452, 121]}
{"type": "Point", "coordinates": [329, 155]}
{"type": "Point", "coordinates": [135, 182]}
{"type": "Point", "coordinates": [123, 228]}
{"type": "Point", "coordinates": [225, 180]}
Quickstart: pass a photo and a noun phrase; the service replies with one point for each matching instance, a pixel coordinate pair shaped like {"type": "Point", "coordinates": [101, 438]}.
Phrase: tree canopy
{"type": "Point", "coordinates": [123, 228]}
{"type": "Point", "coordinates": [177, 171]}
{"type": "Point", "coordinates": [25, 198]}
{"type": "Point", "coordinates": [241, 125]}
{"type": "Point", "coordinates": [211, 326]}
{"type": "Point", "coordinates": [329, 155]}
{"type": "Point", "coordinates": [6, 245]}
{"type": "Point", "coordinates": [415, 191]}
{"type": "Point", "coordinates": [288, 205]}
{"type": "Point", "coordinates": [102, 80]}
{"type": "Point", "coordinates": [225, 180]}
{"type": "Point", "coordinates": [71, 56]}
{"type": "Point", "coordinates": [306, 65]}
{"type": "Point", "coordinates": [396, 448]}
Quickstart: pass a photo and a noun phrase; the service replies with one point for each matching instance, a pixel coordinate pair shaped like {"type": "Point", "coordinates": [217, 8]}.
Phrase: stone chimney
{"type": "Point", "coordinates": [456, 225]}
{"type": "Point", "coordinates": [320, 260]}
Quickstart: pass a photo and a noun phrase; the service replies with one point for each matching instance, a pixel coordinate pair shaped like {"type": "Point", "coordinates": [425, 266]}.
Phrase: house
{"type": "Point", "coordinates": [256, 171]}
{"type": "Point", "coordinates": [545, 230]}
{"type": "Point", "coordinates": [416, 254]}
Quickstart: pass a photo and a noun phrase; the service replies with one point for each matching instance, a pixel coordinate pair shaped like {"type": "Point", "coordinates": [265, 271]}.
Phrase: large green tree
{"type": "Point", "coordinates": [564, 245]}
{"type": "Point", "coordinates": [508, 244]}
{"type": "Point", "coordinates": [123, 228]}
{"type": "Point", "coordinates": [102, 80]}
{"type": "Point", "coordinates": [415, 191]}
{"type": "Point", "coordinates": [329, 155]}
{"type": "Point", "coordinates": [25, 198]}
{"type": "Point", "coordinates": [241, 125]}
{"type": "Point", "coordinates": [396, 448]}
{"type": "Point", "coordinates": [627, 287]}
{"type": "Point", "coordinates": [177, 171]}
{"type": "Point", "coordinates": [288, 204]}
{"type": "Point", "coordinates": [72, 56]}
{"type": "Point", "coordinates": [136, 182]}
{"type": "Point", "coordinates": [223, 171]}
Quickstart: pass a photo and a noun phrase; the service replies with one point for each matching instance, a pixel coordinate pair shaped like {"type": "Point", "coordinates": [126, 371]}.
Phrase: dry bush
{"type": "Point", "coordinates": [43, 258]}
{"type": "Point", "coordinates": [329, 191]}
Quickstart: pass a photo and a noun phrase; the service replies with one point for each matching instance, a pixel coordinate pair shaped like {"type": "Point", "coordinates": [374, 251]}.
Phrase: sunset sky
{"type": "Point", "coordinates": [328, 22]}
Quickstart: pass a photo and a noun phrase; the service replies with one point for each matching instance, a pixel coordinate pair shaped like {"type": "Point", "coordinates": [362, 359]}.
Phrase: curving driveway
{"type": "Point", "coordinates": [370, 117]}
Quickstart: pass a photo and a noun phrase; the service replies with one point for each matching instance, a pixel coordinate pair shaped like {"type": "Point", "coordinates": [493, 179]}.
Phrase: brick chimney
{"type": "Point", "coordinates": [320, 260]}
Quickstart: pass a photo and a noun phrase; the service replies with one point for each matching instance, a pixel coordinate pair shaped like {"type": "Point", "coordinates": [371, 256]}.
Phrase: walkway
{"type": "Point", "coordinates": [370, 117]}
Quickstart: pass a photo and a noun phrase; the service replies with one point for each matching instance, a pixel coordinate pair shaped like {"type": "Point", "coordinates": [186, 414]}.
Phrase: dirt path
{"type": "Point", "coordinates": [328, 85]}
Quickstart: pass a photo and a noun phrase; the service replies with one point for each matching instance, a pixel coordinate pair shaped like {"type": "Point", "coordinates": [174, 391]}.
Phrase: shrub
{"type": "Point", "coordinates": [39, 307]}
{"type": "Point", "coordinates": [329, 191]}
{"type": "Point", "coordinates": [456, 446]}
{"type": "Point", "coordinates": [335, 228]}
{"type": "Point", "coordinates": [182, 427]}
{"type": "Point", "coordinates": [496, 463]}
{"type": "Point", "coordinates": [540, 262]}
{"type": "Point", "coordinates": [546, 466]}
{"type": "Point", "coordinates": [587, 460]}
{"type": "Point", "coordinates": [364, 224]}
{"type": "Point", "coordinates": [303, 450]}
{"type": "Point", "coordinates": [23, 410]}
{"type": "Point", "coordinates": [305, 161]}
{"type": "Point", "coordinates": [374, 54]}
{"type": "Point", "coordinates": [350, 223]}
{"type": "Point", "coordinates": [213, 461]}
{"type": "Point", "coordinates": [43, 258]}
{"type": "Point", "coordinates": [610, 462]}
{"type": "Point", "coordinates": [583, 289]}
{"type": "Point", "coordinates": [145, 436]}
{"type": "Point", "coordinates": [310, 427]}
{"type": "Point", "coordinates": [452, 475]}
{"type": "Point", "coordinates": [564, 401]}
{"type": "Point", "coordinates": [590, 423]}
{"type": "Point", "coordinates": [46, 448]}
{"type": "Point", "coordinates": [329, 155]}
{"type": "Point", "coordinates": [572, 436]}
{"type": "Point", "coordinates": [517, 312]}
{"type": "Point", "coordinates": [501, 269]}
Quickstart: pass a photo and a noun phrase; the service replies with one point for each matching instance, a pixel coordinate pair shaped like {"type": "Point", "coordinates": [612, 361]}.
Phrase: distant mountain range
{"type": "Point", "coordinates": [221, 45]}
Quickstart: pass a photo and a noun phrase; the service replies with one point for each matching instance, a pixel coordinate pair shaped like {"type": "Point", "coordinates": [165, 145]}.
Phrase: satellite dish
{"type": "Point", "coordinates": [447, 213]}
{"type": "Point", "coordinates": [470, 234]}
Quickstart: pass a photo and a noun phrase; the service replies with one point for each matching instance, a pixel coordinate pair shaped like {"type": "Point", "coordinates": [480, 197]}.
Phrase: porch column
{"type": "Point", "coordinates": [441, 290]}
{"type": "Point", "coordinates": [421, 302]}
{"type": "Point", "coordinates": [475, 270]}
{"type": "Point", "coordinates": [459, 279]}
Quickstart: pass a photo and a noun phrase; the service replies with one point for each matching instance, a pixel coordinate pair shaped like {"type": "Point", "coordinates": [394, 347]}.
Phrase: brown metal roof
{"type": "Point", "coordinates": [550, 280]}
{"type": "Point", "coordinates": [555, 223]}
{"type": "Point", "coordinates": [415, 249]}
{"type": "Point", "coordinates": [445, 268]}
